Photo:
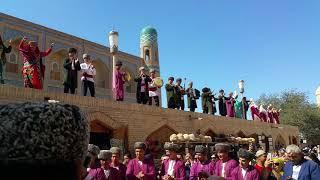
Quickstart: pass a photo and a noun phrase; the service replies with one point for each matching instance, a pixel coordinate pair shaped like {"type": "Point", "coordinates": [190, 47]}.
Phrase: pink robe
{"type": "Point", "coordinates": [147, 168]}
{"type": "Point", "coordinates": [230, 108]}
{"type": "Point", "coordinates": [252, 174]}
{"type": "Point", "coordinates": [255, 113]}
{"type": "Point", "coordinates": [98, 174]}
{"type": "Point", "coordinates": [263, 116]}
{"type": "Point", "coordinates": [122, 170]}
{"type": "Point", "coordinates": [230, 165]}
{"type": "Point", "coordinates": [178, 169]}
{"type": "Point", "coordinates": [270, 117]}
{"type": "Point", "coordinates": [117, 85]}
{"type": "Point", "coordinates": [276, 117]}
{"type": "Point", "coordinates": [197, 167]}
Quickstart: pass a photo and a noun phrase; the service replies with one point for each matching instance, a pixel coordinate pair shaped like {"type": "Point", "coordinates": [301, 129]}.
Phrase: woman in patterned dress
{"type": "Point", "coordinates": [33, 70]}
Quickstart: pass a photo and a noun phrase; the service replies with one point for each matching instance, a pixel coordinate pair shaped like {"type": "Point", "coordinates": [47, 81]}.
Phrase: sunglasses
{"type": "Point", "coordinates": [276, 164]}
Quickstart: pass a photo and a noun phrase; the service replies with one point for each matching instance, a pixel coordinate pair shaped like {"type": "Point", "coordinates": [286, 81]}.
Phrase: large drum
{"type": "Point", "coordinates": [158, 82]}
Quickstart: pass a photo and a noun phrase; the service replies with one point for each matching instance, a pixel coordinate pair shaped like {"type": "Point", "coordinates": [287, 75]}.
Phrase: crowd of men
{"type": "Point", "coordinates": [50, 141]}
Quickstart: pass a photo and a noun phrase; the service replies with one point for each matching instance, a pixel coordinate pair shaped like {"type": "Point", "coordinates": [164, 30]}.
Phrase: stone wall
{"type": "Point", "coordinates": [135, 122]}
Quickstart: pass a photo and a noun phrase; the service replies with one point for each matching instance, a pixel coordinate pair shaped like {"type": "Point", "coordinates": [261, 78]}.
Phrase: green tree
{"type": "Point", "coordinates": [296, 111]}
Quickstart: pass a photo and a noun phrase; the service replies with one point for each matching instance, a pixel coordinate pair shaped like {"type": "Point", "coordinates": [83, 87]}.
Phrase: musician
{"type": "Point", "coordinates": [180, 92]}
{"type": "Point", "coordinates": [88, 75]}
{"type": "Point", "coordinates": [208, 105]}
{"type": "Point", "coordinates": [142, 87]}
{"type": "Point", "coordinates": [192, 97]}
{"type": "Point", "coordinates": [154, 92]}
{"type": "Point", "coordinates": [118, 82]}
{"type": "Point", "coordinates": [170, 88]}
{"type": "Point", "coordinates": [222, 103]}
{"type": "Point", "coordinates": [230, 104]}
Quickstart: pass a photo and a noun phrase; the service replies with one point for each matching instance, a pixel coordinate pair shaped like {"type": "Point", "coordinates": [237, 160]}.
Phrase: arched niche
{"type": "Point", "coordinates": [102, 77]}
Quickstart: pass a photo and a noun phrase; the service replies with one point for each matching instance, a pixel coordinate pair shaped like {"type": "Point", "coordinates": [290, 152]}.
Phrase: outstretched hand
{"type": "Point", "coordinates": [10, 41]}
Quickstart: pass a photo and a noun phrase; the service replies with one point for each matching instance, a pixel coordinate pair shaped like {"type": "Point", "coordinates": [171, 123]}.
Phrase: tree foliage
{"type": "Point", "coordinates": [296, 111]}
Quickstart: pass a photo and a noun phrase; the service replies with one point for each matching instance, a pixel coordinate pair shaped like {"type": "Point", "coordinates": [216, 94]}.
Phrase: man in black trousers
{"type": "Point", "coordinates": [71, 66]}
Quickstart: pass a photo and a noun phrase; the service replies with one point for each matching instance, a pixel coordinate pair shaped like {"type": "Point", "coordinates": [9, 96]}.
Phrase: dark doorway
{"type": "Point", "coordinates": [100, 139]}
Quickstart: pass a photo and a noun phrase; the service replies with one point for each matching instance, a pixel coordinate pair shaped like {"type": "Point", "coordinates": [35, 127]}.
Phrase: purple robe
{"type": "Point", "coordinates": [96, 174]}
{"type": "Point", "coordinates": [117, 85]}
{"type": "Point", "coordinates": [122, 170]}
{"type": "Point", "coordinates": [230, 165]}
{"type": "Point", "coordinates": [270, 117]}
{"type": "Point", "coordinates": [147, 168]}
{"type": "Point", "coordinates": [196, 168]}
{"type": "Point", "coordinates": [252, 174]}
{"type": "Point", "coordinates": [230, 107]}
{"type": "Point", "coordinates": [178, 169]}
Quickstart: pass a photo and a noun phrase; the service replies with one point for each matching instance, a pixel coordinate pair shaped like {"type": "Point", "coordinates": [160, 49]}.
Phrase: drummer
{"type": "Point", "coordinates": [154, 88]}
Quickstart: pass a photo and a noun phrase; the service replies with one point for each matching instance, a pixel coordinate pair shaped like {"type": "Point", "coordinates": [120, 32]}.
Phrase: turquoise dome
{"type": "Point", "coordinates": [148, 36]}
{"type": "Point", "coordinates": [149, 30]}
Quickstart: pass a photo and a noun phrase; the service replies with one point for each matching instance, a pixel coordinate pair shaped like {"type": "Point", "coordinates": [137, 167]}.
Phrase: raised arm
{"type": "Point", "coordinates": [22, 47]}
{"type": "Point", "coordinates": [46, 53]}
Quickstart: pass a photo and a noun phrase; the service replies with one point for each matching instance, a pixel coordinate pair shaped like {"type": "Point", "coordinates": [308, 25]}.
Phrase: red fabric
{"type": "Point", "coordinates": [31, 71]}
{"type": "Point", "coordinates": [260, 168]}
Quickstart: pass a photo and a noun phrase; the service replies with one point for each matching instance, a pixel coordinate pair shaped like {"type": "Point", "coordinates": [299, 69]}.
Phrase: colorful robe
{"type": "Point", "coordinates": [147, 168]}
{"type": "Point", "coordinates": [171, 96]}
{"type": "Point", "coordinates": [238, 109]}
{"type": "Point", "coordinates": [252, 174]}
{"type": "Point", "coordinates": [270, 117]}
{"type": "Point", "coordinates": [230, 165]}
{"type": "Point", "coordinates": [32, 70]}
{"type": "Point", "coordinates": [276, 117]}
{"type": "Point", "coordinates": [208, 106]}
{"type": "Point", "coordinates": [98, 174]}
{"type": "Point", "coordinates": [117, 85]}
{"type": "Point", "coordinates": [255, 114]}
{"type": "Point", "coordinates": [178, 169]}
{"type": "Point", "coordinates": [230, 107]}
{"type": "Point", "coordinates": [204, 167]}
{"type": "Point", "coordinates": [3, 60]}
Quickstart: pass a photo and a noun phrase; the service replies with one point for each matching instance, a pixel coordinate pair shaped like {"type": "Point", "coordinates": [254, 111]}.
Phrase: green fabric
{"type": "Point", "coordinates": [170, 91]}
{"type": "Point", "coordinates": [238, 109]}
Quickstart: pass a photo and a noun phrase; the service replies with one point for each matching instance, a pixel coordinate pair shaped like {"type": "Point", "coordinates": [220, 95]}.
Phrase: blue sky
{"type": "Point", "coordinates": [273, 45]}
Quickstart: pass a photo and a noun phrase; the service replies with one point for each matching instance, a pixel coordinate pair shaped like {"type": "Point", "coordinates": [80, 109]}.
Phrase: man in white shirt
{"type": "Point", "coordinates": [172, 168]}
{"type": "Point", "coordinates": [88, 75]}
{"type": "Point", "coordinates": [154, 92]}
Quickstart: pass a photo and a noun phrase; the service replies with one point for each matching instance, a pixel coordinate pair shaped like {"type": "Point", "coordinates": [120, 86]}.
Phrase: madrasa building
{"type": "Point", "coordinates": [120, 123]}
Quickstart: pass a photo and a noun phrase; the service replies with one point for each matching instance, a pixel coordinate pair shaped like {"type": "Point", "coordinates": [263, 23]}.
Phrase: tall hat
{"type": "Point", "coordinates": [222, 147]}
{"type": "Point", "coordinates": [178, 79]}
{"type": "Point", "coordinates": [93, 149]}
{"type": "Point", "coordinates": [115, 150]}
{"type": "Point", "coordinates": [42, 131]}
{"type": "Point", "coordinates": [200, 149]}
{"type": "Point", "coordinates": [171, 147]}
{"type": "Point", "coordinates": [105, 155]}
{"type": "Point", "coordinates": [171, 78]}
{"type": "Point", "coordinates": [243, 153]}
{"type": "Point", "coordinates": [118, 63]}
{"type": "Point", "coordinates": [140, 145]}
{"type": "Point", "coordinates": [221, 91]}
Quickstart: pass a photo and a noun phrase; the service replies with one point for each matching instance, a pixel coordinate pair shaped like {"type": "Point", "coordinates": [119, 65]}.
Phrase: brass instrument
{"type": "Point", "coordinates": [158, 82]}
{"type": "Point", "coordinates": [127, 77]}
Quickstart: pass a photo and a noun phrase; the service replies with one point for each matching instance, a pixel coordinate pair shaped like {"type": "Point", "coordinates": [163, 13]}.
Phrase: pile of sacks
{"type": "Point", "coordinates": [241, 140]}
{"type": "Point", "coordinates": [190, 138]}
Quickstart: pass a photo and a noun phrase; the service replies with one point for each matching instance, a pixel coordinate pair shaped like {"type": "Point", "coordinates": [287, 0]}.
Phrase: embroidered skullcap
{"type": "Point", "coordinates": [243, 153]}
{"type": "Point", "coordinates": [115, 150]}
{"type": "Point", "coordinates": [222, 147]}
{"type": "Point", "coordinates": [171, 147]}
{"type": "Point", "coordinates": [105, 155]}
{"type": "Point", "coordinates": [42, 131]}
{"type": "Point", "coordinates": [93, 149]}
{"type": "Point", "coordinates": [140, 145]}
{"type": "Point", "coordinates": [118, 63]}
{"type": "Point", "coordinates": [200, 149]}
